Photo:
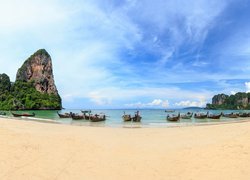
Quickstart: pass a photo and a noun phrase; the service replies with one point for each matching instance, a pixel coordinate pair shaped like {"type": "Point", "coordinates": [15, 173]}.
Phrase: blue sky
{"type": "Point", "coordinates": [132, 53]}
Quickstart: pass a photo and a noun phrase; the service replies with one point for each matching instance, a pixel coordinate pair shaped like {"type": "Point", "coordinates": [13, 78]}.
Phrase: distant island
{"type": "Point", "coordinates": [34, 88]}
{"type": "Point", "coordinates": [240, 100]}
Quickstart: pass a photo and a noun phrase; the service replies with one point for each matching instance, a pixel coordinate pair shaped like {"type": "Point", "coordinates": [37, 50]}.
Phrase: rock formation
{"type": "Point", "coordinates": [34, 87]}
{"type": "Point", "coordinates": [240, 100]}
{"type": "Point", "coordinates": [5, 83]}
{"type": "Point", "coordinates": [38, 68]}
{"type": "Point", "coordinates": [219, 99]}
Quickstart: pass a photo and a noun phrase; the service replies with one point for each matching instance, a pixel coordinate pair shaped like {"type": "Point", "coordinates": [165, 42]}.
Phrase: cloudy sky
{"type": "Point", "coordinates": [132, 53]}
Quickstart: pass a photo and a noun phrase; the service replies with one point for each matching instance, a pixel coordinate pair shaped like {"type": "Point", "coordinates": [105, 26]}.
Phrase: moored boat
{"type": "Point", "coordinates": [169, 110]}
{"type": "Point", "coordinates": [214, 116]}
{"type": "Point", "coordinates": [126, 117]}
{"type": "Point", "coordinates": [86, 114]}
{"type": "Point", "coordinates": [243, 115]}
{"type": "Point", "coordinates": [173, 118]}
{"type": "Point", "coordinates": [187, 116]}
{"type": "Point", "coordinates": [65, 115]}
{"type": "Point", "coordinates": [98, 118]}
{"type": "Point", "coordinates": [135, 118]}
{"type": "Point", "coordinates": [23, 114]}
{"type": "Point", "coordinates": [75, 116]}
{"type": "Point", "coordinates": [86, 111]}
{"type": "Point", "coordinates": [231, 115]}
{"type": "Point", "coordinates": [200, 116]}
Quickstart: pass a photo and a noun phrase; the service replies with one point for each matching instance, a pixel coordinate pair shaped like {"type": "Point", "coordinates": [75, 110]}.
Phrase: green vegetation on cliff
{"type": "Point", "coordinates": [23, 95]}
{"type": "Point", "coordinates": [240, 100]}
{"type": "Point", "coordinates": [34, 87]}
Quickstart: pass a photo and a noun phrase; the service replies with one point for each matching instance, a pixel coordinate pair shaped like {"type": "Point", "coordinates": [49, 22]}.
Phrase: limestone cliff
{"type": "Point", "coordinates": [219, 99]}
{"type": "Point", "coordinates": [240, 100]}
{"type": "Point", "coordinates": [34, 88]}
{"type": "Point", "coordinates": [38, 68]}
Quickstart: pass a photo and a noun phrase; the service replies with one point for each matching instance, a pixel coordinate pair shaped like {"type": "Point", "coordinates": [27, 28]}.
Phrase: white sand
{"type": "Point", "coordinates": [31, 150]}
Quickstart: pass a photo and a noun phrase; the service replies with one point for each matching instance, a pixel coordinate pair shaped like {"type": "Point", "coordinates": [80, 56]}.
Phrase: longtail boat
{"type": "Point", "coordinates": [187, 116]}
{"type": "Point", "coordinates": [98, 118]}
{"type": "Point", "coordinates": [200, 116]}
{"type": "Point", "coordinates": [127, 117]}
{"type": "Point", "coordinates": [135, 118]}
{"type": "Point", "coordinates": [173, 118]}
{"type": "Point", "coordinates": [24, 114]}
{"type": "Point", "coordinates": [243, 115]}
{"type": "Point", "coordinates": [214, 116]}
{"type": "Point", "coordinates": [77, 116]}
{"type": "Point", "coordinates": [65, 115]}
{"type": "Point", "coordinates": [169, 110]}
{"type": "Point", "coordinates": [231, 115]}
{"type": "Point", "coordinates": [86, 111]}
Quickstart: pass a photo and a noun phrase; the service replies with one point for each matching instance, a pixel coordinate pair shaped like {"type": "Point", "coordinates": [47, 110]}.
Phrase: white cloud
{"type": "Point", "coordinates": [188, 103]}
{"type": "Point", "coordinates": [21, 15]}
{"type": "Point", "coordinates": [114, 94]}
{"type": "Point", "coordinates": [247, 84]}
{"type": "Point", "coordinates": [155, 103]}
{"type": "Point", "coordinates": [233, 92]}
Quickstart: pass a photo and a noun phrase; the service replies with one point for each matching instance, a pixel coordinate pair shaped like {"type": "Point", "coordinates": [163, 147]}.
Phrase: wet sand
{"type": "Point", "coordinates": [32, 150]}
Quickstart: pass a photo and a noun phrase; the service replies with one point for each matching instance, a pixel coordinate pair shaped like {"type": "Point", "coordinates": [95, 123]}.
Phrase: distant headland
{"type": "Point", "coordinates": [34, 88]}
{"type": "Point", "coordinates": [240, 100]}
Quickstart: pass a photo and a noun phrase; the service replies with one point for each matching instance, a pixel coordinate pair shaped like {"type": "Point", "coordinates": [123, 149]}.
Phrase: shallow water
{"type": "Point", "coordinates": [150, 118]}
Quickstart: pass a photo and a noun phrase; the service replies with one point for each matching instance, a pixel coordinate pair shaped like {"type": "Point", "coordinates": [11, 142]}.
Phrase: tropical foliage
{"type": "Point", "coordinates": [240, 100]}
{"type": "Point", "coordinates": [23, 95]}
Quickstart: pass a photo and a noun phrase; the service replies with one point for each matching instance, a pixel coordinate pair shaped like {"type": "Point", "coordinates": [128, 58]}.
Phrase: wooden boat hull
{"type": "Point", "coordinates": [200, 116]}
{"type": "Point", "coordinates": [174, 118]}
{"type": "Point", "coordinates": [214, 117]}
{"type": "Point", "coordinates": [137, 119]}
{"type": "Point", "coordinates": [86, 111]}
{"type": "Point", "coordinates": [169, 111]}
{"type": "Point", "coordinates": [77, 117]}
{"type": "Point", "coordinates": [86, 117]}
{"type": "Point", "coordinates": [23, 115]}
{"type": "Point", "coordinates": [66, 115]}
{"type": "Point", "coordinates": [230, 115]}
{"type": "Point", "coordinates": [97, 119]}
{"type": "Point", "coordinates": [126, 118]}
{"type": "Point", "coordinates": [243, 115]}
{"type": "Point", "coordinates": [187, 116]}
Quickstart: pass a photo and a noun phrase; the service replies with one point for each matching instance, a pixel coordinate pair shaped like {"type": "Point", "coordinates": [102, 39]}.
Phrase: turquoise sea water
{"type": "Point", "coordinates": [150, 118]}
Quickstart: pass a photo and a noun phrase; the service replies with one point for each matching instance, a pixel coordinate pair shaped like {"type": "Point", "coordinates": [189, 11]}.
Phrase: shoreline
{"type": "Point", "coordinates": [128, 124]}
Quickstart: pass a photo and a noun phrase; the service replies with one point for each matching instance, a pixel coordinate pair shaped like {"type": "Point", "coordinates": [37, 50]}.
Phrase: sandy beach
{"type": "Point", "coordinates": [32, 150]}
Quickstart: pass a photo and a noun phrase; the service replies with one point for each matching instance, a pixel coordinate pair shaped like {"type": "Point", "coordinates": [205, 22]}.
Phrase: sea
{"type": "Point", "coordinates": [150, 117]}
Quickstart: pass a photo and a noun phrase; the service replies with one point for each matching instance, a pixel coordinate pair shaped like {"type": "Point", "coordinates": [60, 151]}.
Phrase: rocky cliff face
{"type": "Point", "coordinates": [34, 88]}
{"type": "Point", "coordinates": [240, 100]}
{"type": "Point", "coordinates": [219, 99]}
{"type": "Point", "coordinates": [38, 68]}
{"type": "Point", "coordinates": [5, 83]}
